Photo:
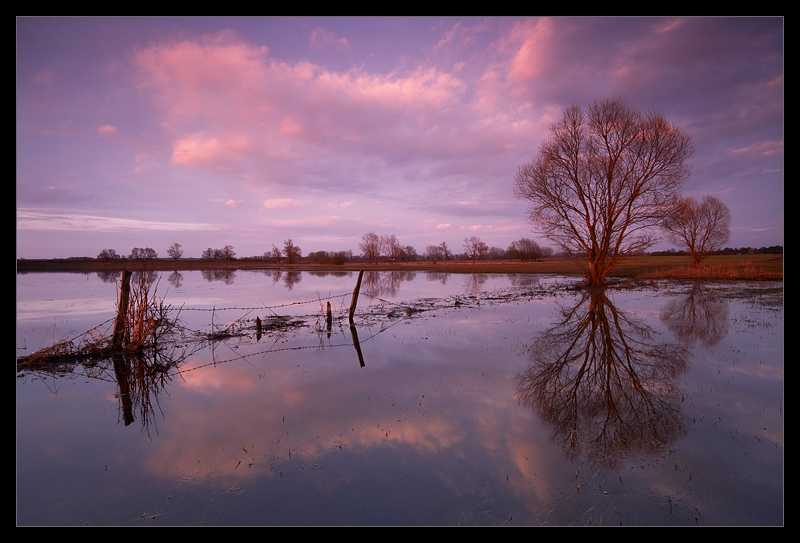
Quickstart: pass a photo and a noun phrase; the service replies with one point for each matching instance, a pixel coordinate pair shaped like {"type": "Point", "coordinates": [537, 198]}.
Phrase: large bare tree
{"type": "Point", "coordinates": [701, 227]}
{"type": "Point", "coordinates": [603, 182]}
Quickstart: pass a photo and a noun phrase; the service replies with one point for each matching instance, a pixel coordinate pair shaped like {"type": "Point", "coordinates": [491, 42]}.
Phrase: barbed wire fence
{"type": "Point", "coordinates": [277, 320]}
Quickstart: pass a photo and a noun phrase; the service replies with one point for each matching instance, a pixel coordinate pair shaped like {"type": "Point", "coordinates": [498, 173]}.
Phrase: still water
{"type": "Point", "coordinates": [457, 399]}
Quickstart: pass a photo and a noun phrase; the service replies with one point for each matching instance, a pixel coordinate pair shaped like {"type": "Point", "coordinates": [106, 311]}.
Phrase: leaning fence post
{"type": "Point", "coordinates": [355, 295]}
{"type": "Point", "coordinates": [122, 309]}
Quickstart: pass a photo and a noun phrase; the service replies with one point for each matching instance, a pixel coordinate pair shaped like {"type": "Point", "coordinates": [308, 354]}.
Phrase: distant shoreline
{"type": "Point", "coordinates": [736, 267]}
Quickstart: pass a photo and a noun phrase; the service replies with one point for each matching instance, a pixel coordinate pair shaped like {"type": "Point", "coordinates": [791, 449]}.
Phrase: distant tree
{"type": "Point", "coordinates": [291, 251]}
{"type": "Point", "coordinates": [228, 252]}
{"type": "Point", "coordinates": [108, 254]}
{"type": "Point", "coordinates": [370, 246]}
{"type": "Point", "coordinates": [146, 253]}
{"type": "Point", "coordinates": [392, 248]}
{"type": "Point", "coordinates": [275, 253]}
{"type": "Point", "coordinates": [475, 248]}
{"type": "Point", "coordinates": [175, 251]}
{"type": "Point", "coordinates": [328, 257]}
{"type": "Point", "coordinates": [496, 253]}
{"type": "Point", "coordinates": [219, 254]}
{"type": "Point", "coordinates": [340, 258]}
{"type": "Point", "coordinates": [433, 253]}
{"type": "Point", "coordinates": [527, 249]}
{"type": "Point", "coordinates": [319, 257]}
{"type": "Point", "coordinates": [702, 227]}
{"type": "Point", "coordinates": [603, 180]}
{"type": "Point", "coordinates": [446, 254]}
{"type": "Point", "coordinates": [410, 254]}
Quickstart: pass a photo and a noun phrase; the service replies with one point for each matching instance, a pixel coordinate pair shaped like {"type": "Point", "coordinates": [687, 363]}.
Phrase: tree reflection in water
{"type": "Point", "coordinates": [700, 317]}
{"type": "Point", "coordinates": [225, 276]}
{"type": "Point", "coordinates": [604, 386]}
{"type": "Point", "coordinates": [379, 284]}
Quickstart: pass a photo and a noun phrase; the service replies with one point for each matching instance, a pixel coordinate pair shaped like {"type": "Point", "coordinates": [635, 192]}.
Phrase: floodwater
{"type": "Point", "coordinates": [457, 399]}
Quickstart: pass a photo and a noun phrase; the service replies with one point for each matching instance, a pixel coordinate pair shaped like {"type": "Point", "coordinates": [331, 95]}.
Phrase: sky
{"type": "Point", "coordinates": [207, 132]}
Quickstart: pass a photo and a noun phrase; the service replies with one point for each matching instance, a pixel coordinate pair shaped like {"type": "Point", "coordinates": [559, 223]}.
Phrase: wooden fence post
{"type": "Point", "coordinates": [355, 295]}
{"type": "Point", "coordinates": [122, 310]}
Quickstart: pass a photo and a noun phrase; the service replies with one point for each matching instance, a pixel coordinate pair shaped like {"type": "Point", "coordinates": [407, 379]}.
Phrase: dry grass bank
{"type": "Point", "coordinates": [719, 268]}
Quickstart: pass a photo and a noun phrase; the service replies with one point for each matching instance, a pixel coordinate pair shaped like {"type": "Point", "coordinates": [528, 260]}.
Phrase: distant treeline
{"type": "Point", "coordinates": [773, 250]}
{"type": "Point", "coordinates": [342, 257]}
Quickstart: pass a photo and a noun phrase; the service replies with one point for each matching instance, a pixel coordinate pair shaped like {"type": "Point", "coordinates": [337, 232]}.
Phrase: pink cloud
{"type": "Point", "coordinates": [198, 149]}
{"type": "Point", "coordinates": [107, 130]}
{"type": "Point", "coordinates": [281, 203]}
{"type": "Point", "coordinates": [461, 34]}
{"type": "Point", "coordinates": [290, 126]}
{"type": "Point", "coordinates": [203, 79]}
{"type": "Point", "coordinates": [532, 41]}
{"type": "Point", "coordinates": [321, 37]}
{"type": "Point", "coordinates": [668, 25]}
{"type": "Point", "coordinates": [224, 85]}
{"type": "Point", "coordinates": [761, 148]}
{"type": "Point", "coordinates": [223, 101]}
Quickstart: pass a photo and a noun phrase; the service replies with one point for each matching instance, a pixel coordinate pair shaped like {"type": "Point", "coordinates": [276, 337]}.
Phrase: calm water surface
{"type": "Point", "coordinates": [459, 400]}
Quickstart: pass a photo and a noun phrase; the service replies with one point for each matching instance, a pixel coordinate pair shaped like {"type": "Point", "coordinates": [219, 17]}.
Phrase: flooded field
{"type": "Point", "coordinates": [455, 399]}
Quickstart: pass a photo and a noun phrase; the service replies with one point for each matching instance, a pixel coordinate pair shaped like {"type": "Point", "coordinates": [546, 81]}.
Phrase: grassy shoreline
{"type": "Point", "coordinates": [733, 267]}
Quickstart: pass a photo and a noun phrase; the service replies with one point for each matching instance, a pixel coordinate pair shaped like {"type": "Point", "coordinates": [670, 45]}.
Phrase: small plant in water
{"type": "Point", "coordinates": [143, 324]}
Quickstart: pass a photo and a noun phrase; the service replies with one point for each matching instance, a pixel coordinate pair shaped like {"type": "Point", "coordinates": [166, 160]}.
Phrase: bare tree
{"type": "Point", "coordinates": [602, 182]}
{"type": "Point", "coordinates": [446, 254]}
{"type": "Point", "coordinates": [291, 251]}
{"type": "Point", "coordinates": [145, 253]}
{"type": "Point", "coordinates": [527, 249]}
{"type": "Point", "coordinates": [175, 251]}
{"type": "Point", "coordinates": [496, 253]}
{"type": "Point", "coordinates": [392, 247]}
{"type": "Point", "coordinates": [702, 227]}
{"type": "Point", "coordinates": [108, 254]}
{"type": "Point", "coordinates": [475, 248]}
{"type": "Point", "coordinates": [275, 253]}
{"type": "Point", "coordinates": [226, 253]}
{"type": "Point", "coordinates": [370, 246]}
{"type": "Point", "coordinates": [433, 253]}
